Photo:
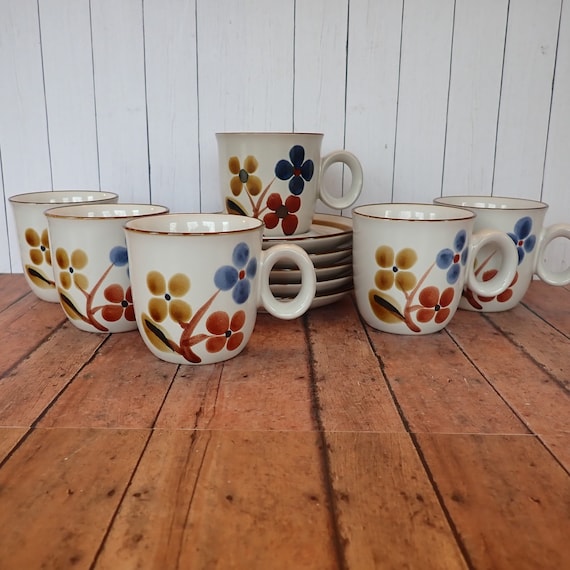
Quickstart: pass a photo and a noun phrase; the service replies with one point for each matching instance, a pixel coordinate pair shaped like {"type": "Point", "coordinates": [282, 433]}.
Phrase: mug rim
{"type": "Point", "coordinates": [33, 198]}
{"type": "Point", "coordinates": [484, 203]}
{"type": "Point", "coordinates": [452, 212]}
{"type": "Point", "coordinates": [149, 225]}
{"type": "Point", "coordinates": [73, 211]}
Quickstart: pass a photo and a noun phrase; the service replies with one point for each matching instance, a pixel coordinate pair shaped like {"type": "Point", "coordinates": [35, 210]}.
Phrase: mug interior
{"type": "Point", "coordinates": [193, 224]}
{"type": "Point", "coordinates": [62, 197]}
{"type": "Point", "coordinates": [95, 211]}
{"type": "Point", "coordinates": [412, 212]}
{"type": "Point", "coordinates": [491, 202]}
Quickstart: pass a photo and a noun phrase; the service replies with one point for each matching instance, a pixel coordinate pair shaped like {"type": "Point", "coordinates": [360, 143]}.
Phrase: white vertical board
{"type": "Point", "coordinates": [118, 59]}
{"type": "Point", "coordinates": [556, 187]}
{"type": "Point", "coordinates": [245, 76]}
{"type": "Point", "coordinates": [24, 148]}
{"type": "Point", "coordinates": [422, 105]}
{"type": "Point", "coordinates": [525, 98]}
{"type": "Point", "coordinates": [171, 80]}
{"type": "Point", "coordinates": [372, 92]}
{"type": "Point", "coordinates": [474, 92]}
{"type": "Point", "coordinates": [320, 79]}
{"type": "Point", "coordinates": [70, 101]}
{"type": "Point", "coordinates": [5, 265]}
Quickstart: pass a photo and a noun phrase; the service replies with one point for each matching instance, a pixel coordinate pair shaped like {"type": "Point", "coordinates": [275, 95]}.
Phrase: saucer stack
{"type": "Point", "coordinates": [329, 245]}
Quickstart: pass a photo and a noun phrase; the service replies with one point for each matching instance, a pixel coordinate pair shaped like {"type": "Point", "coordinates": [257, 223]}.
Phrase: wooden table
{"type": "Point", "coordinates": [325, 444]}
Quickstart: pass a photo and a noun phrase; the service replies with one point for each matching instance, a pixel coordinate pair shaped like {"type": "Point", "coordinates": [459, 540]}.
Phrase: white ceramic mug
{"type": "Point", "coordinates": [278, 178]}
{"type": "Point", "coordinates": [411, 261]}
{"type": "Point", "coordinates": [523, 221]}
{"type": "Point", "coordinates": [90, 263]}
{"type": "Point", "coordinates": [198, 280]}
{"type": "Point", "coordinates": [33, 237]}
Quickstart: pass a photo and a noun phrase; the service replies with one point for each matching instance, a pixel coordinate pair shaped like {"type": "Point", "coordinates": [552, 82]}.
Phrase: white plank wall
{"type": "Point", "coordinates": [434, 96]}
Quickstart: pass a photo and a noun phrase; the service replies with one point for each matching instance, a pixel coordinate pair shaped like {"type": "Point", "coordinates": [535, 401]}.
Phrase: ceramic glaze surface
{"type": "Point", "coordinates": [523, 221]}
{"type": "Point", "coordinates": [33, 235]}
{"type": "Point", "coordinates": [411, 262]}
{"type": "Point", "coordinates": [276, 177]}
{"type": "Point", "coordinates": [197, 282]}
{"type": "Point", "coordinates": [91, 265]}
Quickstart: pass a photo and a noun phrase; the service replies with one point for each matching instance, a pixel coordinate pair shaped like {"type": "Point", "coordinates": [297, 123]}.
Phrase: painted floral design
{"type": "Point", "coordinates": [454, 259]}
{"type": "Point", "coordinates": [422, 304]}
{"type": "Point", "coordinates": [40, 254]}
{"type": "Point", "coordinates": [119, 302]}
{"type": "Point", "coordinates": [222, 331]}
{"type": "Point", "coordinates": [297, 170]}
{"type": "Point", "coordinates": [284, 212]}
{"type": "Point", "coordinates": [244, 176]}
{"type": "Point", "coordinates": [273, 209]}
{"type": "Point", "coordinates": [395, 268]}
{"type": "Point", "coordinates": [523, 237]}
{"type": "Point", "coordinates": [477, 301]}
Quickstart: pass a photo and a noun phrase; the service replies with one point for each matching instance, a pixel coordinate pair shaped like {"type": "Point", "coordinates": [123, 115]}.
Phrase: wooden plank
{"type": "Point", "coordinates": [23, 125]}
{"type": "Point", "coordinates": [9, 438]}
{"type": "Point", "coordinates": [438, 389]}
{"type": "Point", "coordinates": [427, 29]}
{"type": "Point", "coordinates": [172, 105]}
{"type": "Point", "coordinates": [69, 90]}
{"type": "Point", "coordinates": [25, 325]}
{"type": "Point", "coordinates": [474, 94]}
{"type": "Point", "coordinates": [245, 76]}
{"type": "Point", "coordinates": [526, 93]}
{"type": "Point", "coordinates": [544, 344]}
{"type": "Point", "coordinates": [320, 79]}
{"type": "Point", "coordinates": [122, 387]}
{"type": "Point", "coordinates": [12, 288]}
{"type": "Point", "coordinates": [388, 514]}
{"type": "Point", "coordinates": [526, 387]}
{"type": "Point", "coordinates": [29, 388]}
{"type": "Point", "coordinates": [224, 499]}
{"type": "Point", "coordinates": [559, 446]}
{"type": "Point", "coordinates": [550, 303]}
{"type": "Point", "coordinates": [266, 387]}
{"type": "Point", "coordinates": [375, 28]}
{"type": "Point", "coordinates": [556, 166]}
{"type": "Point", "coordinates": [118, 65]}
{"type": "Point", "coordinates": [59, 492]}
{"type": "Point", "coordinates": [508, 498]}
{"type": "Point", "coordinates": [350, 389]}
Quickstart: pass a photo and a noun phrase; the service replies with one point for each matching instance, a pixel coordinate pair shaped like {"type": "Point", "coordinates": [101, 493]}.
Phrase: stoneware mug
{"type": "Point", "coordinates": [278, 178]}
{"type": "Point", "coordinates": [411, 262]}
{"type": "Point", "coordinates": [90, 263]}
{"type": "Point", "coordinates": [523, 221]}
{"type": "Point", "coordinates": [198, 280]}
{"type": "Point", "coordinates": [33, 237]}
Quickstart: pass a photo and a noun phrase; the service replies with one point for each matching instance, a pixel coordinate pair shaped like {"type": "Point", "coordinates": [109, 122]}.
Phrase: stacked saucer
{"type": "Point", "coordinates": [329, 245]}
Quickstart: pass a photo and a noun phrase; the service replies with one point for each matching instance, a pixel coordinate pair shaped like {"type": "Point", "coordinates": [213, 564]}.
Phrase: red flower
{"type": "Point", "coordinates": [283, 212]}
{"type": "Point", "coordinates": [122, 304]}
{"type": "Point", "coordinates": [501, 298]}
{"type": "Point", "coordinates": [435, 306]}
{"type": "Point", "coordinates": [227, 333]}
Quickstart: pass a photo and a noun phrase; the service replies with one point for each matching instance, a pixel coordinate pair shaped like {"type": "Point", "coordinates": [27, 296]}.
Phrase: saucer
{"type": "Point", "coordinates": [323, 287]}
{"type": "Point", "coordinates": [322, 274]}
{"type": "Point", "coordinates": [327, 233]}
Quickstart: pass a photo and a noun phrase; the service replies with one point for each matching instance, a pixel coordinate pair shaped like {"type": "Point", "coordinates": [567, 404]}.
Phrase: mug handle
{"type": "Point", "coordinates": [290, 308]}
{"type": "Point", "coordinates": [552, 277]}
{"type": "Point", "coordinates": [510, 258]}
{"type": "Point", "coordinates": [339, 203]}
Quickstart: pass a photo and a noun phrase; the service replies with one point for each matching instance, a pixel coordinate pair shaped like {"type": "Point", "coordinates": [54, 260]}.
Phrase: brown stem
{"type": "Point", "coordinates": [257, 208]}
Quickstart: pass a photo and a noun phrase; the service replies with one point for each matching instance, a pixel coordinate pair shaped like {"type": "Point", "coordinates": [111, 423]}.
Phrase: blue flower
{"type": "Point", "coordinates": [524, 240]}
{"type": "Point", "coordinates": [453, 259]}
{"type": "Point", "coordinates": [297, 171]}
{"type": "Point", "coordinates": [237, 276]}
{"type": "Point", "coordinates": [118, 256]}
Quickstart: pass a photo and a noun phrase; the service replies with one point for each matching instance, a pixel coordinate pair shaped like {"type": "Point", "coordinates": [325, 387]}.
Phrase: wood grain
{"type": "Point", "coordinates": [224, 499]}
{"type": "Point", "coordinates": [11, 289]}
{"type": "Point", "coordinates": [350, 390]}
{"type": "Point", "coordinates": [388, 514]}
{"type": "Point", "coordinates": [502, 504]}
{"type": "Point", "coordinates": [9, 437]}
{"type": "Point", "coordinates": [550, 303]}
{"type": "Point", "coordinates": [65, 486]}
